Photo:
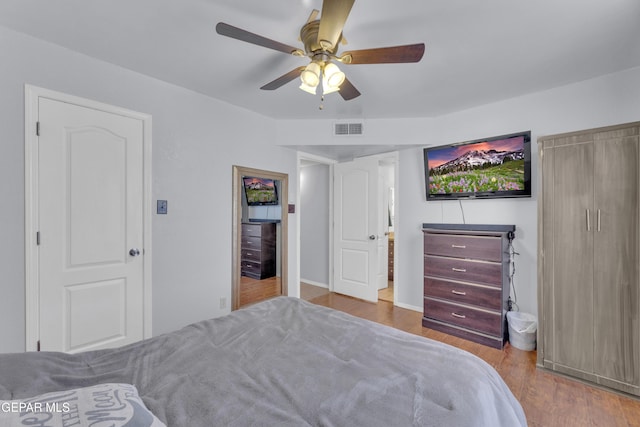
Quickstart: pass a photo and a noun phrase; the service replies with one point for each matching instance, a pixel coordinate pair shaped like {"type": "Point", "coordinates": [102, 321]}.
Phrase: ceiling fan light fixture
{"type": "Point", "coordinates": [310, 76]}
{"type": "Point", "coordinates": [309, 89]}
{"type": "Point", "coordinates": [320, 38]}
{"type": "Point", "coordinates": [333, 76]}
{"type": "Point", "coordinates": [327, 88]}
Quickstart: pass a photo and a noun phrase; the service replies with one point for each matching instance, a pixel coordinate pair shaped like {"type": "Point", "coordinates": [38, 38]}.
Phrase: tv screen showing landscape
{"type": "Point", "coordinates": [493, 167]}
{"type": "Point", "coordinates": [260, 191]}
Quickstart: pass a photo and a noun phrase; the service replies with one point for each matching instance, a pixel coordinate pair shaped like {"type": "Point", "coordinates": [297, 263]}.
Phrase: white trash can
{"type": "Point", "coordinates": [522, 330]}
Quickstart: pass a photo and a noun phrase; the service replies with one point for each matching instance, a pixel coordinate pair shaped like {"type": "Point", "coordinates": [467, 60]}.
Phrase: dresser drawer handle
{"type": "Point", "coordinates": [248, 253]}
{"type": "Point", "coordinates": [459, 246]}
{"type": "Point", "coordinates": [453, 291]}
{"type": "Point", "coordinates": [459, 270]}
{"type": "Point", "coordinates": [459, 316]}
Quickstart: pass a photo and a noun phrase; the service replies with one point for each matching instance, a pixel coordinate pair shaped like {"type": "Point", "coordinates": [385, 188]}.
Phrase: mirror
{"type": "Point", "coordinates": [259, 244]}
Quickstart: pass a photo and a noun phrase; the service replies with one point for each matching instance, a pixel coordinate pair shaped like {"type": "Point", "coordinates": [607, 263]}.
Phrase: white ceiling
{"type": "Point", "coordinates": [477, 52]}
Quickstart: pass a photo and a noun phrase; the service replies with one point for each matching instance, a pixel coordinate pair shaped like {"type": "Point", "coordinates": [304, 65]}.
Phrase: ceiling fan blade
{"type": "Point", "coordinates": [334, 15]}
{"type": "Point", "coordinates": [348, 91]}
{"type": "Point", "coordinates": [284, 79]}
{"type": "Point", "coordinates": [246, 36]}
{"type": "Point", "coordinates": [385, 55]}
{"type": "Point", "coordinates": [313, 15]}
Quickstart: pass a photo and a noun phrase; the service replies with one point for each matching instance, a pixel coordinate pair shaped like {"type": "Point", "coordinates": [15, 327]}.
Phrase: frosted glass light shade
{"type": "Point", "coordinates": [310, 76]}
{"type": "Point", "coordinates": [327, 88]}
{"type": "Point", "coordinates": [307, 88]}
{"type": "Point", "coordinates": [333, 76]}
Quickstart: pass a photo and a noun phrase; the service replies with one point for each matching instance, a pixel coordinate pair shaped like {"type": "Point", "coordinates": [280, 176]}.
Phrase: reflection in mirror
{"type": "Point", "coordinates": [259, 235]}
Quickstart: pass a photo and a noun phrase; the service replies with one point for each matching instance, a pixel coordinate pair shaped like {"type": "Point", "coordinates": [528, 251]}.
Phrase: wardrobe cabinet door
{"type": "Point", "coordinates": [589, 258]}
{"type": "Point", "coordinates": [616, 293]}
{"type": "Point", "coordinates": [572, 254]}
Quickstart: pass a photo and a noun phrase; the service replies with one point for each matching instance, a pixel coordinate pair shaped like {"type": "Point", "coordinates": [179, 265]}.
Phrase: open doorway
{"type": "Point", "coordinates": [259, 248]}
{"type": "Point", "coordinates": [386, 288]}
{"type": "Point", "coordinates": [316, 215]}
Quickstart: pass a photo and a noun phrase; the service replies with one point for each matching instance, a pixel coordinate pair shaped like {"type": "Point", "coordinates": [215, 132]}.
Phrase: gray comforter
{"type": "Point", "coordinates": [284, 362]}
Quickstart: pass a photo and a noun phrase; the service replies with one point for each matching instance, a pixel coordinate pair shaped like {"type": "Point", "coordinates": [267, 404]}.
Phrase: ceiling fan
{"type": "Point", "coordinates": [321, 38]}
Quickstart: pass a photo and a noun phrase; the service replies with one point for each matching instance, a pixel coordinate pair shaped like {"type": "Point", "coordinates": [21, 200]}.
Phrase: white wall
{"type": "Point", "coordinates": [196, 140]}
{"type": "Point", "coordinates": [314, 224]}
{"type": "Point", "coordinates": [603, 101]}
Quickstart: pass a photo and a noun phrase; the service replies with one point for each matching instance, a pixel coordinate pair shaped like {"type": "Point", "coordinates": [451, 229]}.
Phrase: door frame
{"type": "Point", "coordinates": [32, 94]}
{"type": "Point", "coordinates": [238, 173]}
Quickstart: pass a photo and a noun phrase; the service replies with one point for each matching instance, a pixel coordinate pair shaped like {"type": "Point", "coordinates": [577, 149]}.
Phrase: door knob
{"type": "Point", "coordinates": [134, 252]}
{"type": "Point", "coordinates": [372, 237]}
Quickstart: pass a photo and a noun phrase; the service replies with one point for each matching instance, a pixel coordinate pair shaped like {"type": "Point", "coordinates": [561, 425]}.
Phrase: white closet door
{"type": "Point", "coordinates": [91, 199]}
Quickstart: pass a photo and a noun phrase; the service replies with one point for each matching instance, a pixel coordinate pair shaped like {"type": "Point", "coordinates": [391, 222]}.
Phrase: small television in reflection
{"type": "Point", "coordinates": [260, 191]}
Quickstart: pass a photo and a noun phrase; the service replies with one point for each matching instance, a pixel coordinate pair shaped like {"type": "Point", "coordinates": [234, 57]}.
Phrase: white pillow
{"type": "Point", "coordinates": [104, 404]}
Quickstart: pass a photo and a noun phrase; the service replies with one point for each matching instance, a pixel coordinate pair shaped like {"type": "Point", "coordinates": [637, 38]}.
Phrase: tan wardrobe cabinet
{"type": "Point", "coordinates": [589, 247]}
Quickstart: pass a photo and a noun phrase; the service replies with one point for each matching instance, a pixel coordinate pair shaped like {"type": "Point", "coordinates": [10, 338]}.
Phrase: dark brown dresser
{"type": "Point", "coordinates": [258, 250]}
{"type": "Point", "coordinates": [466, 280]}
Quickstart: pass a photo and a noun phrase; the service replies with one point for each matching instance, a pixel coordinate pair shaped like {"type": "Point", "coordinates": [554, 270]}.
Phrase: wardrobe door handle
{"type": "Point", "coordinates": [598, 219]}
{"type": "Point", "coordinates": [588, 220]}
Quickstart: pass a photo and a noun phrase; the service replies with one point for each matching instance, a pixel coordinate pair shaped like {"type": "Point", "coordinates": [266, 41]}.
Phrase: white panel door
{"type": "Point", "coordinates": [356, 224]}
{"type": "Point", "coordinates": [90, 204]}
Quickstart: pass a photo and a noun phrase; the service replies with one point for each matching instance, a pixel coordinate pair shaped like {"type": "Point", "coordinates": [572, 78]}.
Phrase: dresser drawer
{"type": "Point", "coordinates": [487, 248]}
{"type": "Point", "coordinates": [252, 230]}
{"type": "Point", "coordinates": [250, 268]}
{"type": "Point", "coordinates": [468, 317]}
{"type": "Point", "coordinates": [251, 255]}
{"type": "Point", "coordinates": [489, 273]}
{"type": "Point", "coordinates": [249, 242]}
{"type": "Point", "coordinates": [466, 333]}
{"type": "Point", "coordinates": [486, 297]}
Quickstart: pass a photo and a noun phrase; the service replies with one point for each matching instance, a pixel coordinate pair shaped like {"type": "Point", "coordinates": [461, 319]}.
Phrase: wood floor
{"type": "Point", "coordinates": [254, 290]}
{"type": "Point", "coordinates": [386, 294]}
{"type": "Point", "coordinates": [548, 400]}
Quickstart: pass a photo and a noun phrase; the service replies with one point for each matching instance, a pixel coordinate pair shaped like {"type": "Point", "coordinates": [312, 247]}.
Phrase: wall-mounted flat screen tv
{"type": "Point", "coordinates": [485, 168]}
{"type": "Point", "coordinates": [260, 191]}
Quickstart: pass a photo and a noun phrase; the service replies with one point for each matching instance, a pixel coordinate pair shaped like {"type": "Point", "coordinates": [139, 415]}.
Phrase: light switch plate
{"type": "Point", "coordinates": [162, 207]}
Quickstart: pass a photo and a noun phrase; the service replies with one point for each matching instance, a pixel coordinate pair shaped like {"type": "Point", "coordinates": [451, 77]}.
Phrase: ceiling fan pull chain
{"type": "Point", "coordinates": [321, 107]}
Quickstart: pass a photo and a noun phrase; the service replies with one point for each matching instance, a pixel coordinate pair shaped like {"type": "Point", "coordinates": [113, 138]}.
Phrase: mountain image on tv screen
{"type": "Point", "coordinates": [486, 166]}
{"type": "Point", "coordinates": [260, 191]}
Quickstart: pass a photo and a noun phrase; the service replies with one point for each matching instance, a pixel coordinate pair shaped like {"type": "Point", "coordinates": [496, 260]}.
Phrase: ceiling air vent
{"type": "Point", "coordinates": [348, 129]}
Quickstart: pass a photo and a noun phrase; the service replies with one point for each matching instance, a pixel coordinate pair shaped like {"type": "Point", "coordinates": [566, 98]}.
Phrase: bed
{"type": "Point", "coordinates": [282, 362]}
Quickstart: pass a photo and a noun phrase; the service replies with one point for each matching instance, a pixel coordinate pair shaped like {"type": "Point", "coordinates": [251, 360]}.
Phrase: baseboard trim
{"type": "Point", "coordinates": [314, 283]}
{"type": "Point", "coordinates": [409, 307]}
